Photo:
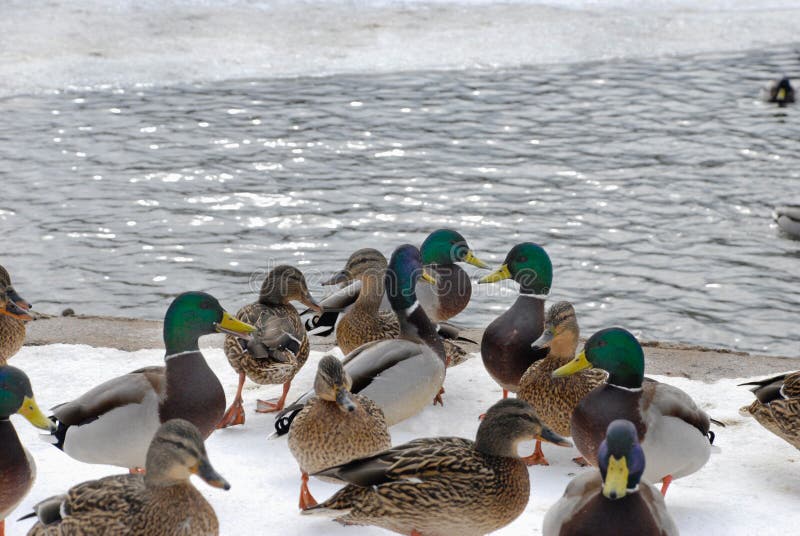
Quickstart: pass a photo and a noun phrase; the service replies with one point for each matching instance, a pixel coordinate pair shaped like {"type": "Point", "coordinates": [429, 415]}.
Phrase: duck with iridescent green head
{"type": "Point", "coordinates": [506, 344]}
{"type": "Point", "coordinates": [114, 423]}
{"type": "Point", "coordinates": [13, 315]}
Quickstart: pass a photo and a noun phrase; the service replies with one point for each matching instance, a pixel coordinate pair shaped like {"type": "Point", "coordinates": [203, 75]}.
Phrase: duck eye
{"type": "Point", "coordinates": [522, 258]}
{"type": "Point", "coordinates": [205, 305]}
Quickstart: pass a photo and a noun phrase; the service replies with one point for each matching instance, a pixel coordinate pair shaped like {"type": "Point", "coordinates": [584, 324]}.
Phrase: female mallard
{"type": "Point", "coordinates": [13, 316]}
{"type": "Point", "coordinates": [17, 469]}
{"type": "Point", "coordinates": [615, 501]}
{"type": "Point", "coordinates": [279, 347]}
{"type": "Point", "coordinates": [114, 422]}
{"type": "Point", "coordinates": [400, 375]}
{"type": "Point", "coordinates": [335, 426]}
{"type": "Point", "coordinates": [780, 92]}
{"type": "Point", "coordinates": [554, 399]}
{"type": "Point", "coordinates": [777, 406]}
{"type": "Point", "coordinates": [364, 321]}
{"type": "Point", "coordinates": [506, 343]}
{"type": "Point", "coordinates": [445, 485]}
{"type": "Point", "coordinates": [788, 220]}
{"type": "Point", "coordinates": [672, 429]}
{"type": "Point", "coordinates": [162, 502]}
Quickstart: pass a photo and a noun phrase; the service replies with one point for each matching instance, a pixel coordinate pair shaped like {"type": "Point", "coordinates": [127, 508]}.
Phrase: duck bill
{"type": "Point", "coordinates": [16, 298]}
{"type": "Point", "coordinates": [234, 327]}
{"type": "Point", "coordinates": [15, 311]}
{"type": "Point", "coordinates": [544, 340]}
{"type": "Point", "coordinates": [576, 365]}
{"type": "Point", "coordinates": [475, 261]}
{"type": "Point", "coordinates": [427, 277]}
{"type": "Point", "coordinates": [338, 278]}
{"type": "Point", "coordinates": [344, 400]}
{"type": "Point", "coordinates": [551, 437]}
{"type": "Point", "coordinates": [30, 410]}
{"type": "Point", "coordinates": [781, 94]}
{"type": "Point", "coordinates": [498, 275]}
{"type": "Point", "coordinates": [311, 303]}
{"type": "Point", "coordinates": [205, 471]}
{"type": "Point", "coordinates": [616, 482]}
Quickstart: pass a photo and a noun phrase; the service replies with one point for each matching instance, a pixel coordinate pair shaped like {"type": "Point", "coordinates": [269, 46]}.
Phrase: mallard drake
{"type": "Point", "coordinates": [162, 502]}
{"type": "Point", "coordinates": [114, 422]}
{"type": "Point", "coordinates": [400, 375]}
{"type": "Point", "coordinates": [13, 315]}
{"type": "Point", "coordinates": [554, 399]}
{"type": "Point", "coordinates": [279, 347]}
{"type": "Point", "coordinates": [17, 468]}
{"type": "Point", "coordinates": [788, 220]}
{"type": "Point", "coordinates": [777, 406]}
{"type": "Point", "coordinates": [442, 486]}
{"type": "Point", "coordinates": [506, 343]}
{"type": "Point", "coordinates": [364, 321]}
{"type": "Point", "coordinates": [780, 92]}
{"type": "Point", "coordinates": [674, 432]}
{"type": "Point", "coordinates": [335, 427]}
{"type": "Point", "coordinates": [614, 501]}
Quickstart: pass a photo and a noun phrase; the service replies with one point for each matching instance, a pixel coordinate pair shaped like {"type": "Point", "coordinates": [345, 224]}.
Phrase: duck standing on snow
{"type": "Point", "coordinates": [17, 468]}
{"type": "Point", "coordinates": [506, 344]}
{"type": "Point", "coordinates": [162, 502]}
{"type": "Point", "coordinates": [13, 315]}
{"type": "Point", "coordinates": [554, 399]}
{"type": "Point", "coordinates": [335, 427]}
{"type": "Point", "coordinates": [114, 422]}
{"type": "Point", "coordinates": [278, 348]}
{"type": "Point", "coordinates": [673, 431]}
{"type": "Point", "coordinates": [777, 406]}
{"type": "Point", "coordinates": [442, 486]}
{"type": "Point", "coordinates": [615, 501]}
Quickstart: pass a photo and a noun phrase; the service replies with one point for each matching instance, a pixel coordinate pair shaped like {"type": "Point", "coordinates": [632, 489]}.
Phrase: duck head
{"type": "Point", "coordinates": [16, 396]}
{"type": "Point", "coordinates": [285, 284]}
{"type": "Point", "coordinates": [404, 270]}
{"type": "Point", "coordinates": [529, 265]}
{"type": "Point", "coordinates": [614, 350]}
{"type": "Point", "coordinates": [507, 424]}
{"type": "Point", "coordinates": [333, 384]}
{"type": "Point", "coordinates": [361, 264]}
{"type": "Point", "coordinates": [561, 330]}
{"type": "Point", "coordinates": [10, 295]}
{"type": "Point", "coordinates": [194, 314]}
{"type": "Point", "coordinates": [445, 246]}
{"type": "Point", "coordinates": [621, 460]}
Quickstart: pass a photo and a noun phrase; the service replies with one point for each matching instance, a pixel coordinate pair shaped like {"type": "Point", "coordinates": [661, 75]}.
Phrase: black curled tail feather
{"type": "Point", "coordinates": [711, 436]}
{"type": "Point", "coordinates": [322, 325]}
{"type": "Point", "coordinates": [60, 435]}
{"type": "Point", "coordinates": [283, 421]}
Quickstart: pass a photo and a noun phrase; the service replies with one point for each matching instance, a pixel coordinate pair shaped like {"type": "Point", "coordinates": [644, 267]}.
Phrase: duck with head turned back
{"type": "Point", "coordinates": [279, 347]}
{"type": "Point", "coordinates": [17, 468]}
{"type": "Point", "coordinates": [506, 343]}
{"type": "Point", "coordinates": [777, 406]}
{"type": "Point", "coordinates": [114, 422]}
{"type": "Point", "coordinates": [13, 315]}
{"type": "Point", "coordinates": [614, 501]}
{"type": "Point", "coordinates": [443, 486]}
{"type": "Point", "coordinates": [162, 502]}
{"type": "Point", "coordinates": [673, 431]}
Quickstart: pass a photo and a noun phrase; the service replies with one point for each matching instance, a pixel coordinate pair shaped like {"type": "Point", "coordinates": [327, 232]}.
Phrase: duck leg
{"type": "Point", "coordinates": [306, 499]}
{"type": "Point", "coordinates": [2, 527]}
{"type": "Point", "coordinates": [133, 471]}
{"type": "Point", "coordinates": [580, 460]}
{"type": "Point", "coordinates": [665, 484]}
{"type": "Point", "coordinates": [268, 406]}
{"type": "Point", "coordinates": [235, 414]}
{"type": "Point", "coordinates": [505, 393]}
{"type": "Point", "coordinates": [438, 398]}
{"type": "Point", "coordinates": [414, 532]}
{"type": "Point", "coordinates": [537, 458]}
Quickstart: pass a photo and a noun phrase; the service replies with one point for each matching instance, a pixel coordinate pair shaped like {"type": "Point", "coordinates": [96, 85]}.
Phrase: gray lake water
{"type": "Point", "coordinates": [649, 182]}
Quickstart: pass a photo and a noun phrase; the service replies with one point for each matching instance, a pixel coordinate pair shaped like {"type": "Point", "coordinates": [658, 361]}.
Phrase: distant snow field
{"type": "Point", "coordinates": [752, 485]}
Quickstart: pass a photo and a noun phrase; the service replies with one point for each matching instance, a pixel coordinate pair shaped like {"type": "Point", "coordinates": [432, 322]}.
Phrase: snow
{"type": "Point", "coordinates": [751, 484]}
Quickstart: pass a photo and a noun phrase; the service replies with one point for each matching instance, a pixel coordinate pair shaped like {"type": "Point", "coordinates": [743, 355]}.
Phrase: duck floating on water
{"type": "Point", "coordinates": [788, 220]}
{"type": "Point", "coordinates": [780, 92]}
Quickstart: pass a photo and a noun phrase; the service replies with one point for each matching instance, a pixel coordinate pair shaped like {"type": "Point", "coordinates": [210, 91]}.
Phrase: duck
{"type": "Point", "coordinates": [440, 251]}
{"type": "Point", "coordinates": [17, 467]}
{"type": "Point", "coordinates": [554, 399]}
{"type": "Point", "coordinates": [114, 422]}
{"type": "Point", "coordinates": [445, 485]}
{"type": "Point", "coordinates": [780, 92]}
{"type": "Point", "coordinates": [403, 375]}
{"type": "Point", "coordinates": [788, 220]}
{"type": "Point", "coordinates": [364, 321]}
{"type": "Point", "coordinates": [13, 315]}
{"type": "Point", "coordinates": [613, 501]}
{"type": "Point", "coordinates": [673, 430]}
{"type": "Point", "coordinates": [279, 348]}
{"type": "Point", "coordinates": [506, 343]}
{"type": "Point", "coordinates": [777, 406]}
{"type": "Point", "coordinates": [335, 427]}
{"type": "Point", "coordinates": [161, 502]}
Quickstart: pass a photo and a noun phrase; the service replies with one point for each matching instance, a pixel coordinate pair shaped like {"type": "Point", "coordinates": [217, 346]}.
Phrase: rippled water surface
{"type": "Point", "coordinates": [650, 183]}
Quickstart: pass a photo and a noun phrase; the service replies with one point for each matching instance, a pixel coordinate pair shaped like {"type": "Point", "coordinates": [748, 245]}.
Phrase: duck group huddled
{"type": "Point", "coordinates": [391, 321]}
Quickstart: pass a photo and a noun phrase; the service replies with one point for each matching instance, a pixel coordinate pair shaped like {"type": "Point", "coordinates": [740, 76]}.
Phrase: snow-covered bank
{"type": "Point", "coordinates": [55, 44]}
{"type": "Point", "coordinates": [754, 482]}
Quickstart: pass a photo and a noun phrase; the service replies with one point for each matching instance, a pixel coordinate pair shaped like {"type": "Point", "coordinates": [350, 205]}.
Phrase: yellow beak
{"type": "Point", "coordinates": [498, 275]}
{"type": "Point", "coordinates": [475, 261]}
{"type": "Point", "coordinates": [30, 410]}
{"type": "Point", "coordinates": [781, 94]}
{"type": "Point", "coordinates": [235, 327]}
{"type": "Point", "coordinates": [428, 277]}
{"type": "Point", "coordinates": [576, 365]}
{"type": "Point", "coordinates": [616, 483]}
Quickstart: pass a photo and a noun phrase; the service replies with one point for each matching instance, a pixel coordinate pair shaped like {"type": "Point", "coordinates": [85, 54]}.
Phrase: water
{"type": "Point", "coordinates": [650, 183]}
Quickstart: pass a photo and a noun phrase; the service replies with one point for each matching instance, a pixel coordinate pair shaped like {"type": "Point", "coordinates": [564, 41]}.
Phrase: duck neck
{"type": "Point", "coordinates": [415, 325]}
{"type": "Point", "coordinates": [271, 292]}
{"type": "Point", "coordinates": [493, 439]}
{"type": "Point", "coordinates": [371, 293]}
{"type": "Point", "coordinates": [179, 341]}
{"type": "Point", "coordinates": [11, 450]}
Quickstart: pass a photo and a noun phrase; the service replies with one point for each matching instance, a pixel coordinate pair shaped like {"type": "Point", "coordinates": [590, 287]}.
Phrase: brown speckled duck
{"type": "Point", "coordinates": [13, 315]}
{"type": "Point", "coordinates": [554, 399]}
{"type": "Point", "coordinates": [777, 406]}
{"type": "Point", "coordinates": [335, 427]}
{"type": "Point", "coordinates": [279, 347]}
{"type": "Point", "coordinates": [442, 486]}
{"type": "Point", "coordinates": [162, 502]}
{"type": "Point", "coordinates": [506, 344]}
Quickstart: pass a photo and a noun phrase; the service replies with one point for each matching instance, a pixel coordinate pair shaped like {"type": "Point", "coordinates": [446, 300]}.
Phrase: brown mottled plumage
{"type": "Point", "coordinates": [442, 486]}
{"type": "Point", "coordinates": [777, 406]}
{"type": "Point", "coordinates": [163, 502]}
{"type": "Point", "coordinates": [12, 316]}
